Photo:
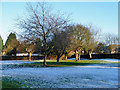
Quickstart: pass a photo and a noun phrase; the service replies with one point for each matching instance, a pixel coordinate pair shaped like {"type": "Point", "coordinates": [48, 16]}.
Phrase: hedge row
{"type": "Point", "coordinates": [100, 56]}
{"type": "Point", "coordinates": [26, 57]}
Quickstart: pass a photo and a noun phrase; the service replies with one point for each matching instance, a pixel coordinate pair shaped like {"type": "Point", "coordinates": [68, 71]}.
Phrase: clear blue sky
{"type": "Point", "coordinates": [103, 15]}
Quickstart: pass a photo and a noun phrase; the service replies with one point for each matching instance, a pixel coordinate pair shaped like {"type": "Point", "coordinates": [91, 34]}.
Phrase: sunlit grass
{"type": "Point", "coordinates": [64, 63]}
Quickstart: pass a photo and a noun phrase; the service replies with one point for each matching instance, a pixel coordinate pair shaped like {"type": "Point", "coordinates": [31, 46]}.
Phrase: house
{"type": "Point", "coordinates": [115, 48]}
{"type": "Point", "coordinates": [26, 54]}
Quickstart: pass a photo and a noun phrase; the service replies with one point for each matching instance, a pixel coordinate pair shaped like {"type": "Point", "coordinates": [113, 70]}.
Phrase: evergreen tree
{"type": "Point", "coordinates": [11, 44]}
{"type": "Point", "coordinates": [100, 48]}
{"type": "Point", "coordinates": [1, 45]}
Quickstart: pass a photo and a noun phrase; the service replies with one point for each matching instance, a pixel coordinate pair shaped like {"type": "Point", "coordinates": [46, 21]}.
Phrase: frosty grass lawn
{"type": "Point", "coordinates": [65, 74]}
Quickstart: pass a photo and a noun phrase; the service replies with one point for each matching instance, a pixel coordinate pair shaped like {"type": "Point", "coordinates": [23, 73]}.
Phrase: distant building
{"type": "Point", "coordinates": [115, 48]}
{"type": "Point", "coordinates": [26, 54]}
{"type": "Point", "coordinates": [21, 54]}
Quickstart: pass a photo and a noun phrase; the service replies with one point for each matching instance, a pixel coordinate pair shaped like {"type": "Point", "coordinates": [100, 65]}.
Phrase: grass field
{"type": "Point", "coordinates": [30, 70]}
{"type": "Point", "coordinates": [7, 83]}
{"type": "Point", "coordinates": [64, 63]}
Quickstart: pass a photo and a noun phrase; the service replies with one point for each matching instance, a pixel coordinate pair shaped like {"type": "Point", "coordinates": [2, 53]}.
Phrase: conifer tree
{"type": "Point", "coordinates": [1, 45]}
{"type": "Point", "coordinates": [11, 44]}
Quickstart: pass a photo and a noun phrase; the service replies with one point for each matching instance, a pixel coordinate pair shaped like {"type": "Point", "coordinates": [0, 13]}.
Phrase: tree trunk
{"type": "Point", "coordinates": [30, 56]}
{"type": "Point", "coordinates": [58, 57]}
{"type": "Point", "coordinates": [79, 54]}
{"type": "Point", "coordinates": [76, 55]}
{"type": "Point", "coordinates": [44, 63]}
{"type": "Point", "coordinates": [90, 54]}
{"type": "Point", "coordinates": [66, 55]}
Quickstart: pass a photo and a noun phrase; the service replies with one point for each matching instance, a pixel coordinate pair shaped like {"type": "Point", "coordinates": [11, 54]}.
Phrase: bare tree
{"type": "Point", "coordinates": [62, 42]}
{"type": "Point", "coordinates": [111, 39]}
{"type": "Point", "coordinates": [91, 40]}
{"type": "Point", "coordinates": [78, 37]}
{"type": "Point", "coordinates": [42, 23]}
{"type": "Point", "coordinates": [82, 37]}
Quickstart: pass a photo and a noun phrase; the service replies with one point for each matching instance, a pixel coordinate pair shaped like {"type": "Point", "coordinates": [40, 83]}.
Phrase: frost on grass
{"type": "Point", "coordinates": [65, 77]}
{"type": "Point", "coordinates": [12, 64]}
{"type": "Point", "coordinates": [90, 76]}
